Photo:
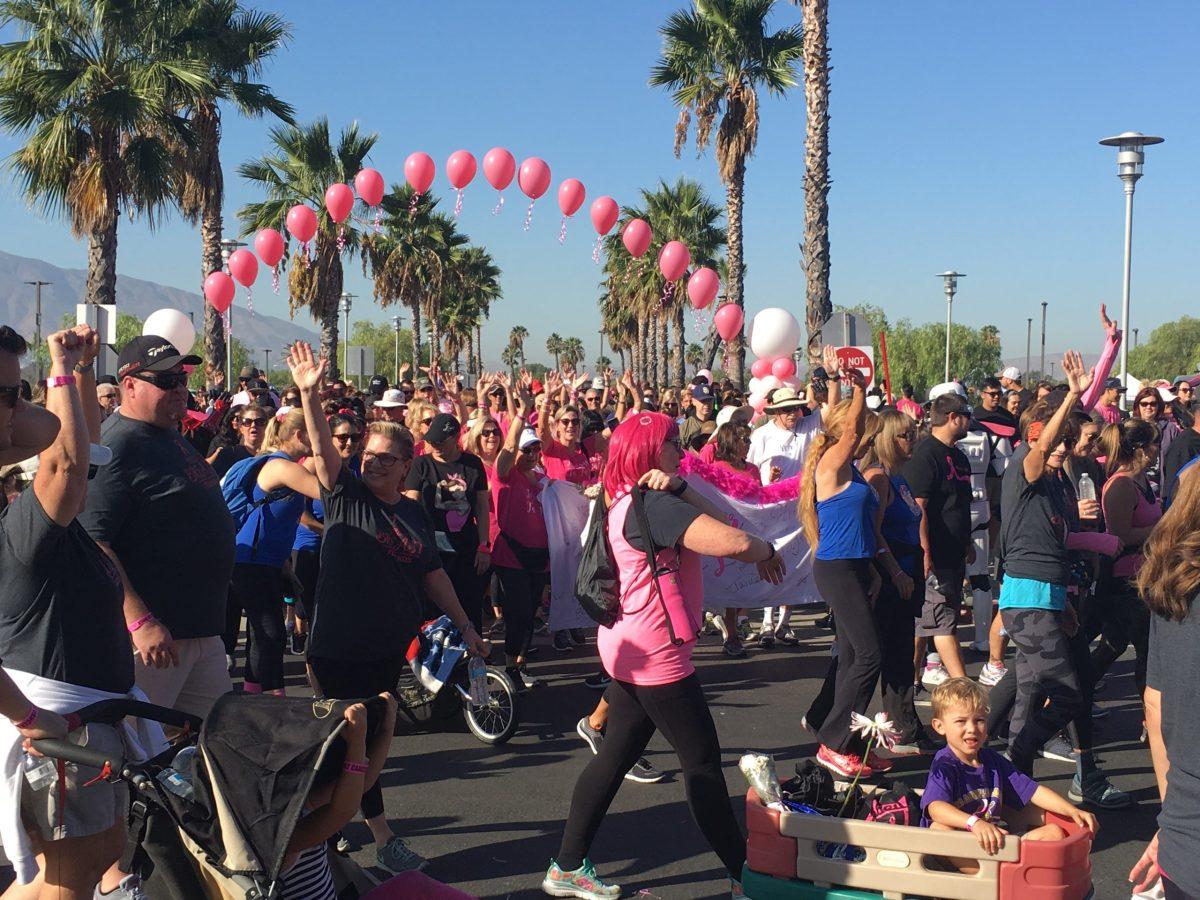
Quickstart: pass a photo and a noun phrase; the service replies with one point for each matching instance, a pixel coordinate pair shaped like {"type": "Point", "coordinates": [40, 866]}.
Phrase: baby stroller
{"type": "Point", "coordinates": [222, 829]}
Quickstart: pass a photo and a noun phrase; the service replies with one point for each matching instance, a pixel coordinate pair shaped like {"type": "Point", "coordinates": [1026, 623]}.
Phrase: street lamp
{"type": "Point", "coordinates": [1028, 343]}
{"type": "Point", "coordinates": [396, 323]}
{"type": "Point", "coordinates": [1042, 364]}
{"type": "Point", "coordinates": [1135, 338]}
{"type": "Point", "coordinates": [950, 281]}
{"type": "Point", "coordinates": [347, 298]}
{"type": "Point", "coordinates": [267, 364]}
{"type": "Point", "coordinates": [228, 245]}
{"type": "Point", "coordinates": [1130, 156]}
{"type": "Point", "coordinates": [37, 323]}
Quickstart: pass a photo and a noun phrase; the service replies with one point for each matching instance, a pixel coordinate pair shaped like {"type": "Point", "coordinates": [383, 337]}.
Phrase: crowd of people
{"type": "Point", "coordinates": [144, 523]}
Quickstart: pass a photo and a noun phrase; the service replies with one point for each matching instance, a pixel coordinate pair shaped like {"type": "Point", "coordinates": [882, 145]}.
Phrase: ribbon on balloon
{"type": "Point", "coordinates": [499, 166]}
{"type": "Point", "coordinates": [419, 170]}
{"type": "Point", "coordinates": [533, 179]}
{"type": "Point", "coordinates": [460, 169]}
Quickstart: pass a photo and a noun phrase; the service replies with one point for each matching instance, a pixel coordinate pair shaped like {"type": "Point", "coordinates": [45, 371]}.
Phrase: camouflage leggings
{"type": "Point", "coordinates": [1044, 669]}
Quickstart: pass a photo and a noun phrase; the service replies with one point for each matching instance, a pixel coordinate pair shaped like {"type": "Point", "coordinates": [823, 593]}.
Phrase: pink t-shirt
{"type": "Point", "coordinates": [562, 464]}
{"type": "Point", "coordinates": [519, 513]}
{"type": "Point", "coordinates": [911, 407]}
{"type": "Point", "coordinates": [637, 647]}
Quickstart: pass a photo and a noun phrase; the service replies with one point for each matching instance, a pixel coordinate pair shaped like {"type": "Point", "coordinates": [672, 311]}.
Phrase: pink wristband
{"type": "Point", "coordinates": [59, 380]}
{"type": "Point", "coordinates": [354, 768]}
{"type": "Point", "coordinates": [30, 717]}
{"type": "Point", "coordinates": [138, 623]}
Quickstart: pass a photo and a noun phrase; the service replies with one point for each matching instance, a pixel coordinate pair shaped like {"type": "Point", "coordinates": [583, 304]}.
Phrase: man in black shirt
{"type": "Point", "coordinates": [1183, 450]}
{"type": "Point", "coordinates": [940, 477]}
{"type": "Point", "coordinates": [148, 510]}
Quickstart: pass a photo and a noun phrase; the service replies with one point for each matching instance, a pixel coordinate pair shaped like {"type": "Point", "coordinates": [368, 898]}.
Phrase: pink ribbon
{"type": "Point", "coordinates": [529, 215]}
{"type": "Point", "coordinates": [458, 202]}
{"type": "Point", "coordinates": [562, 231]}
{"type": "Point", "coordinates": [499, 206]}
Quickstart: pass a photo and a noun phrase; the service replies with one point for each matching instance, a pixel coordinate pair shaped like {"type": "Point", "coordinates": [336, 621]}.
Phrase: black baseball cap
{"type": "Point", "coordinates": [1111, 383]}
{"type": "Point", "coordinates": [442, 427]}
{"type": "Point", "coordinates": [377, 385]}
{"type": "Point", "coordinates": [248, 372]}
{"type": "Point", "coordinates": [702, 392]}
{"type": "Point", "coordinates": [151, 353]}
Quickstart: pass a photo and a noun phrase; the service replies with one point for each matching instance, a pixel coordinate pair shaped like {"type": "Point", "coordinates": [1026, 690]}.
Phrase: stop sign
{"type": "Point", "coordinates": [861, 358]}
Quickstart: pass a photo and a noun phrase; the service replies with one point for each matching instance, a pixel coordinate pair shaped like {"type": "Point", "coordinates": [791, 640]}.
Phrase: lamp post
{"type": "Point", "coordinates": [1130, 156]}
{"type": "Point", "coordinates": [1028, 343]}
{"type": "Point", "coordinates": [950, 282]}
{"type": "Point", "coordinates": [396, 323]}
{"type": "Point", "coordinates": [37, 323]}
{"type": "Point", "coordinates": [601, 356]}
{"type": "Point", "coordinates": [1042, 364]}
{"type": "Point", "coordinates": [228, 245]}
{"type": "Point", "coordinates": [267, 364]}
{"type": "Point", "coordinates": [1135, 338]}
{"type": "Point", "coordinates": [347, 299]}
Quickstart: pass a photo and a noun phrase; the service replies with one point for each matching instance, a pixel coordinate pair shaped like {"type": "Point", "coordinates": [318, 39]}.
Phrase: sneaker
{"type": "Point", "coordinates": [1101, 685]}
{"type": "Point", "coordinates": [845, 764]}
{"type": "Point", "coordinates": [879, 763]}
{"type": "Point", "coordinates": [826, 621]}
{"type": "Point", "coordinates": [592, 736]}
{"type": "Point", "coordinates": [733, 649]}
{"type": "Point", "coordinates": [934, 674]}
{"type": "Point", "coordinates": [709, 627]}
{"type": "Point", "coordinates": [532, 651]}
{"type": "Point", "coordinates": [921, 745]}
{"type": "Point", "coordinates": [1099, 712]}
{"type": "Point", "coordinates": [1098, 791]}
{"type": "Point", "coordinates": [744, 629]}
{"type": "Point", "coordinates": [562, 642]}
{"type": "Point", "coordinates": [578, 638]}
{"type": "Point", "coordinates": [582, 882]}
{"type": "Point", "coordinates": [1059, 748]}
{"type": "Point", "coordinates": [521, 679]}
{"type": "Point", "coordinates": [787, 636]}
{"type": "Point", "coordinates": [990, 675]}
{"type": "Point", "coordinates": [643, 773]}
{"type": "Point", "coordinates": [766, 639]}
{"type": "Point", "coordinates": [129, 888]}
{"type": "Point", "coordinates": [299, 640]}
{"type": "Point", "coordinates": [598, 681]}
{"type": "Point", "coordinates": [344, 845]}
{"type": "Point", "coordinates": [541, 627]}
{"type": "Point", "coordinates": [722, 628]}
{"type": "Point", "coordinates": [397, 857]}
{"type": "Point", "coordinates": [497, 629]}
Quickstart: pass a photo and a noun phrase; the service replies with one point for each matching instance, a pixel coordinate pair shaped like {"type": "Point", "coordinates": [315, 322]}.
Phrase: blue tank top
{"type": "Point", "coordinates": [901, 526]}
{"type": "Point", "coordinates": [267, 535]}
{"type": "Point", "coordinates": [306, 538]}
{"type": "Point", "coordinates": [846, 521]}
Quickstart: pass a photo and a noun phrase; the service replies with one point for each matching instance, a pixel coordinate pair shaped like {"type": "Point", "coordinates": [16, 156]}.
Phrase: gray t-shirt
{"type": "Point", "coordinates": [1034, 520]}
{"type": "Point", "coordinates": [1174, 660]}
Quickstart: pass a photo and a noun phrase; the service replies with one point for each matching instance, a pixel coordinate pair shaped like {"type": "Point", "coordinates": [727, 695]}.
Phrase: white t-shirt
{"type": "Point", "coordinates": [771, 445]}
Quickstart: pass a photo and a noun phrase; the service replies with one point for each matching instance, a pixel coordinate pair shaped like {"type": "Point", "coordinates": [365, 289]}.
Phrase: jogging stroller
{"type": "Point", "coordinates": [223, 833]}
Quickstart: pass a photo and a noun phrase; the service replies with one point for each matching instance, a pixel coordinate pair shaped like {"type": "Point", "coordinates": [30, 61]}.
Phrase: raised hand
{"type": "Point", "coordinates": [829, 359]}
{"type": "Point", "coordinates": [1078, 377]}
{"type": "Point", "coordinates": [1110, 327]}
{"type": "Point", "coordinates": [66, 350]}
{"type": "Point", "coordinates": [405, 367]}
{"type": "Point", "coordinates": [91, 343]}
{"type": "Point", "coordinates": [578, 382]}
{"type": "Point", "coordinates": [307, 370]}
{"type": "Point", "coordinates": [524, 401]}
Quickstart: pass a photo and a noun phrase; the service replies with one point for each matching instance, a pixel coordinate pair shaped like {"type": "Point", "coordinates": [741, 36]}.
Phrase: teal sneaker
{"type": "Point", "coordinates": [582, 882]}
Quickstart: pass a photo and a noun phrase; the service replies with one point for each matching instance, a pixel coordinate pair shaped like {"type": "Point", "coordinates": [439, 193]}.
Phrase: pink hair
{"type": "Point", "coordinates": [634, 448]}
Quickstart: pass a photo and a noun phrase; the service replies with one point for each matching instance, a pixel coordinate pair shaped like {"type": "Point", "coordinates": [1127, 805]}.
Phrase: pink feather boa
{"type": "Point", "coordinates": [741, 487]}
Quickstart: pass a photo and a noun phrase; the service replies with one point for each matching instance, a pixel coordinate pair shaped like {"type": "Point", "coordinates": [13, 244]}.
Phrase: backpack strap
{"type": "Point", "coordinates": [639, 509]}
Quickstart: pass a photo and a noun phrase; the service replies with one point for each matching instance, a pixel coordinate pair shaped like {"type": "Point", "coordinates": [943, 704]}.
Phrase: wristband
{"type": "Point", "coordinates": [971, 823]}
{"type": "Point", "coordinates": [771, 555]}
{"type": "Point", "coordinates": [30, 717]}
{"type": "Point", "coordinates": [81, 368]}
{"type": "Point", "coordinates": [354, 768]}
{"type": "Point", "coordinates": [681, 490]}
{"type": "Point", "coordinates": [59, 381]}
{"type": "Point", "coordinates": [138, 623]}
{"type": "Point", "coordinates": [484, 548]}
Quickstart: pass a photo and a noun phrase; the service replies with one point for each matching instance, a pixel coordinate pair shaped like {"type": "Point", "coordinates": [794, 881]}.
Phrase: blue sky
{"type": "Point", "coordinates": [963, 136]}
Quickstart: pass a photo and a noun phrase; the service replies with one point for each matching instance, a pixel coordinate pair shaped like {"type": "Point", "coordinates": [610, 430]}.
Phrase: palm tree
{"type": "Point", "coordinates": [693, 355]}
{"type": "Point", "coordinates": [715, 57]}
{"type": "Point", "coordinates": [815, 249]}
{"type": "Point", "coordinates": [572, 351]}
{"type": "Point", "coordinates": [511, 357]}
{"type": "Point", "coordinates": [90, 86]}
{"type": "Point", "coordinates": [516, 341]}
{"type": "Point", "coordinates": [471, 285]}
{"type": "Point", "coordinates": [554, 345]}
{"type": "Point", "coordinates": [232, 44]}
{"type": "Point", "coordinates": [303, 162]}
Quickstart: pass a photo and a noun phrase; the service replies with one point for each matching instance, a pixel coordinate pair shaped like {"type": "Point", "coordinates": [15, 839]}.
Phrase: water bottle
{"type": "Point", "coordinates": [40, 772]}
{"type": "Point", "coordinates": [1087, 487]}
{"type": "Point", "coordinates": [177, 778]}
{"type": "Point", "coordinates": [477, 671]}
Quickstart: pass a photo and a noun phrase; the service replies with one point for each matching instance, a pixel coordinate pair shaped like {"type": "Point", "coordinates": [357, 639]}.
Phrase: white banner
{"type": "Point", "coordinates": [565, 510]}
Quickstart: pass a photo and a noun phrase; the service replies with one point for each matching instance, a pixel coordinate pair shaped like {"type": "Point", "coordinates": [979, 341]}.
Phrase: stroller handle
{"type": "Point", "coordinates": [73, 753]}
{"type": "Point", "coordinates": [109, 712]}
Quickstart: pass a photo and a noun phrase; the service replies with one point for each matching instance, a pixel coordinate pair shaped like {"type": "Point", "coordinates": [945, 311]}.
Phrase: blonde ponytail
{"type": "Point", "coordinates": [832, 422]}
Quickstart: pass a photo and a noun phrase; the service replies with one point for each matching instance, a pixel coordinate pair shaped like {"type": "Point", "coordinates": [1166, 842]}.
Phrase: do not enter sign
{"type": "Point", "coordinates": [861, 358]}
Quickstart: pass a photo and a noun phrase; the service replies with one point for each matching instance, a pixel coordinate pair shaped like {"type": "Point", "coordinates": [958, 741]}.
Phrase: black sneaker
{"type": "Point", "coordinates": [578, 637]}
{"type": "Point", "coordinates": [921, 745]}
{"type": "Point", "coordinates": [299, 641]}
{"type": "Point", "coordinates": [531, 650]}
{"type": "Point", "coordinates": [598, 681]}
{"type": "Point", "coordinates": [521, 679]}
{"type": "Point", "coordinates": [1097, 790]}
{"type": "Point", "coordinates": [497, 629]}
{"type": "Point", "coordinates": [643, 772]}
{"type": "Point", "coordinates": [593, 736]}
{"type": "Point", "coordinates": [562, 642]}
{"type": "Point", "coordinates": [541, 627]}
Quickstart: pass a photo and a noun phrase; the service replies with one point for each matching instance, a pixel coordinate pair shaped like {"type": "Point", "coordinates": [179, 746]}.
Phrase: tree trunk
{"type": "Point", "coordinates": [210, 261]}
{"type": "Point", "coordinates": [435, 334]}
{"type": "Point", "coordinates": [679, 356]}
{"type": "Point", "coordinates": [330, 294]}
{"type": "Point", "coordinates": [815, 249]}
{"type": "Point", "coordinates": [415, 309]}
{"type": "Point", "coordinates": [664, 350]}
{"type": "Point", "coordinates": [621, 356]}
{"type": "Point", "coordinates": [470, 335]}
{"type": "Point", "coordinates": [734, 196]}
{"type": "Point", "coordinates": [102, 263]}
{"type": "Point", "coordinates": [478, 349]}
{"type": "Point", "coordinates": [637, 352]}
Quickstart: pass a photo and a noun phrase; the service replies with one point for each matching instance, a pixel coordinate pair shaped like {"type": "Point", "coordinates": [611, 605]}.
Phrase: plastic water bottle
{"type": "Point", "coordinates": [1087, 487]}
{"type": "Point", "coordinates": [477, 671]}
{"type": "Point", "coordinates": [40, 772]}
{"type": "Point", "coordinates": [177, 778]}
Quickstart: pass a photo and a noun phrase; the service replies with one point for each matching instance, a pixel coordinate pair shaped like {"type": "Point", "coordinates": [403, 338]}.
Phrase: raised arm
{"type": "Point", "coordinates": [840, 456]}
{"type": "Point", "coordinates": [61, 481]}
{"type": "Point", "coordinates": [85, 380]}
{"type": "Point", "coordinates": [1078, 379]}
{"type": "Point", "coordinates": [508, 453]}
{"type": "Point", "coordinates": [307, 372]}
{"type": "Point", "coordinates": [1112, 342]}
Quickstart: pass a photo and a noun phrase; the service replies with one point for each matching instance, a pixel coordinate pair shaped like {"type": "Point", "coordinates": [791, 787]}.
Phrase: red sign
{"type": "Point", "coordinates": [861, 358]}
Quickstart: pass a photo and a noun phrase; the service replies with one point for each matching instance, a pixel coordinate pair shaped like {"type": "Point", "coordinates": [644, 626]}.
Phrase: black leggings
{"type": "Point", "coordinates": [339, 679]}
{"type": "Point", "coordinates": [468, 586]}
{"type": "Point", "coordinates": [258, 590]}
{"type": "Point", "coordinates": [520, 594]}
{"type": "Point", "coordinates": [1125, 620]}
{"type": "Point", "coordinates": [843, 584]}
{"type": "Point", "coordinates": [307, 566]}
{"type": "Point", "coordinates": [680, 712]}
{"type": "Point", "coordinates": [895, 618]}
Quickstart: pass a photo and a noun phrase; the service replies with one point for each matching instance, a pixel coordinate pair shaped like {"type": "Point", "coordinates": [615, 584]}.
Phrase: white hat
{"type": "Point", "coordinates": [529, 437]}
{"type": "Point", "coordinates": [598, 383]}
{"type": "Point", "coordinates": [391, 399]}
{"type": "Point", "coordinates": [874, 401]}
{"type": "Point", "coordinates": [948, 387]}
{"type": "Point", "coordinates": [1012, 373]}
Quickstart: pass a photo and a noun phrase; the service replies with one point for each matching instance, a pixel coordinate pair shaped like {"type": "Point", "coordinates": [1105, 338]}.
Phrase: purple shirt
{"type": "Point", "coordinates": [982, 791]}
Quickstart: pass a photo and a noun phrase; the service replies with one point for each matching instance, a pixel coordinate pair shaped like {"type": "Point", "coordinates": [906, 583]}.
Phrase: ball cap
{"type": "Point", "coordinates": [950, 387]}
{"type": "Point", "coordinates": [703, 393]}
{"type": "Point", "coordinates": [443, 427]}
{"type": "Point", "coordinates": [151, 353]}
{"type": "Point", "coordinates": [1012, 373]}
{"type": "Point", "coordinates": [529, 437]}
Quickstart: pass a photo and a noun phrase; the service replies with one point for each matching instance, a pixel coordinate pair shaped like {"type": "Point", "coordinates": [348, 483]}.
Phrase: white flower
{"type": "Point", "coordinates": [880, 728]}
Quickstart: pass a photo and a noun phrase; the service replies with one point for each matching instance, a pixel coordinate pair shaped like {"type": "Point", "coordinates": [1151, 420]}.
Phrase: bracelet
{"type": "Point", "coordinates": [681, 490]}
{"type": "Point", "coordinates": [971, 823]}
{"type": "Point", "coordinates": [30, 717]}
{"type": "Point", "coordinates": [771, 555]}
{"type": "Point", "coordinates": [81, 368]}
{"type": "Point", "coordinates": [354, 768]}
{"type": "Point", "coordinates": [59, 381]}
{"type": "Point", "coordinates": [138, 623]}
{"type": "Point", "coordinates": [484, 548]}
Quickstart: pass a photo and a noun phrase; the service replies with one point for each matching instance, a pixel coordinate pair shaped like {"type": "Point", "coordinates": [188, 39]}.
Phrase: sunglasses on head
{"type": "Point", "coordinates": [164, 381]}
{"type": "Point", "coordinates": [9, 395]}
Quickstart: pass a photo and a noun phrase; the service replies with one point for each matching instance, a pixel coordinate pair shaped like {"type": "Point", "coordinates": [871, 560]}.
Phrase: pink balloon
{"type": "Point", "coordinates": [636, 237]}
{"type": "Point", "coordinates": [369, 185]}
{"type": "Point", "coordinates": [702, 287]}
{"type": "Point", "coordinates": [268, 244]}
{"type": "Point", "coordinates": [339, 200]}
{"type": "Point", "coordinates": [571, 194]}
{"type": "Point", "coordinates": [760, 368]}
{"type": "Point", "coordinates": [728, 321]}
{"type": "Point", "coordinates": [604, 214]}
{"type": "Point", "coordinates": [783, 368]}
{"type": "Point", "coordinates": [498, 168]}
{"type": "Point", "coordinates": [673, 260]}
{"type": "Point", "coordinates": [419, 170]}
{"type": "Point", "coordinates": [533, 177]}
{"type": "Point", "coordinates": [302, 223]}
{"type": "Point", "coordinates": [243, 266]}
{"type": "Point", "coordinates": [219, 290]}
{"type": "Point", "coordinates": [460, 168]}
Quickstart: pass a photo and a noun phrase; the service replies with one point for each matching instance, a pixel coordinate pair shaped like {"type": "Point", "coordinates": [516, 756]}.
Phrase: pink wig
{"type": "Point", "coordinates": [634, 448]}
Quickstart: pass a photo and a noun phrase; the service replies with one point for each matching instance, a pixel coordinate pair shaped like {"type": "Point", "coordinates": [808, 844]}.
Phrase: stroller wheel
{"type": "Point", "coordinates": [495, 722]}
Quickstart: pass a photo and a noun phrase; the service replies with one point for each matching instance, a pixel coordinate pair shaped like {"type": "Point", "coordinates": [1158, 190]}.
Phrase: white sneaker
{"type": "Point", "coordinates": [990, 675]}
{"type": "Point", "coordinates": [934, 674]}
{"type": "Point", "coordinates": [722, 628]}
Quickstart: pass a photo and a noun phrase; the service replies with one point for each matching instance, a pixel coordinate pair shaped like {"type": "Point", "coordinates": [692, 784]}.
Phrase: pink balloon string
{"type": "Point", "coordinates": [701, 319]}
{"type": "Point", "coordinates": [458, 202]}
{"type": "Point", "coordinates": [250, 301]}
{"type": "Point", "coordinates": [412, 206]}
{"type": "Point", "coordinates": [341, 238]}
{"type": "Point", "coordinates": [378, 219]}
{"type": "Point", "coordinates": [275, 278]}
{"type": "Point", "coordinates": [225, 322]}
{"type": "Point", "coordinates": [499, 206]}
{"type": "Point", "coordinates": [529, 215]}
{"type": "Point", "coordinates": [596, 249]}
{"type": "Point", "coordinates": [562, 231]}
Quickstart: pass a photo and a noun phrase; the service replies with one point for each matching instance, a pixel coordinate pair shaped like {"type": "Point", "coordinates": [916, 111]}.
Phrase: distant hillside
{"type": "Point", "coordinates": [134, 296]}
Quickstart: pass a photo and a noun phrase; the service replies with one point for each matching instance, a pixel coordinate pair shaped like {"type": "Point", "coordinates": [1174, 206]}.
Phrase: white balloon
{"type": "Point", "coordinates": [774, 332]}
{"type": "Point", "coordinates": [707, 374]}
{"type": "Point", "coordinates": [754, 385]}
{"type": "Point", "coordinates": [794, 383]}
{"type": "Point", "coordinates": [769, 383]}
{"type": "Point", "coordinates": [757, 400]}
{"type": "Point", "coordinates": [173, 325]}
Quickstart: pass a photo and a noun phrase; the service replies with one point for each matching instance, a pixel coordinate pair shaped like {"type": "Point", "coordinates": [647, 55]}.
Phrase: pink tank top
{"type": "Point", "coordinates": [1145, 513]}
{"type": "Point", "coordinates": [637, 648]}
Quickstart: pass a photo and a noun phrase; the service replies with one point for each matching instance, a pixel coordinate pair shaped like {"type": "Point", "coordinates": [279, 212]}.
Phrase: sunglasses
{"type": "Point", "coordinates": [568, 421]}
{"type": "Point", "coordinates": [1184, 389]}
{"type": "Point", "coordinates": [383, 460]}
{"type": "Point", "coordinates": [164, 381]}
{"type": "Point", "coordinates": [351, 437]}
{"type": "Point", "coordinates": [991, 393]}
{"type": "Point", "coordinates": [1148, 404]}
{"type": "Point", "coordinates": [254, 423]}
{"type": "Point", "coordinates": [9, 395]}
{"type": "Point", "coordinates": [427, 422]}
{"type": "Point", "coordinates": [490, 432]}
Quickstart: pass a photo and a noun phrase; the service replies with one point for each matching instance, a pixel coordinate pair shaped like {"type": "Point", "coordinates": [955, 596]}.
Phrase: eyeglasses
{"type": "Point", "coordinates": [532, 449]}
{"type": "Point", "coordinates": [568, 421]}
{"type": "Point", "coordinates": [591, 400]}
{"type": "Point", "coordinates": [490, 432]}
{"type": "Point", "coordinates": [253, 423]}
{"type": "Point", "coordinates": [164, 381]}
{"type": "Point", "coordinates": [384, 460]}
{"type": "Point", "coordinates": [1148, 404]}
{"type": "Point", "coordinates": [907, 436]}
{"type": "Point", "coordinates": [427, 422]}
{"type": "Point", "coordinates": [9, 395]}
{"type": "Point", "coordinates": [350, 436]}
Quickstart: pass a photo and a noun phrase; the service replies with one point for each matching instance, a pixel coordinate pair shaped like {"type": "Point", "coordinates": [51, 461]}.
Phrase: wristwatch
{"type": "Point", "coordinates": [679, 491]}
{"type": "Point", "coordinates": [81, 368]}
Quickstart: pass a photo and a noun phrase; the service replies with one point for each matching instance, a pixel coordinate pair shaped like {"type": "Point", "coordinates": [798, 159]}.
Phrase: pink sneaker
{"type": "Point", "coordinates": [879, 763]}
{"type": "Point", "coordinates": [845, 764]}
